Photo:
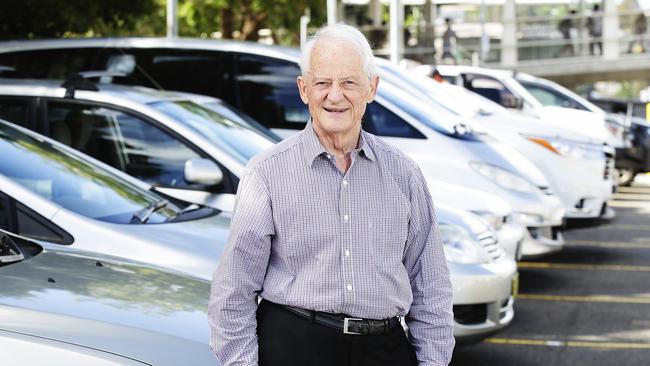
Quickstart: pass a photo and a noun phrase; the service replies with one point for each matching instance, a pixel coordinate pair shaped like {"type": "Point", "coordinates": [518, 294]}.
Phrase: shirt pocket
{"type": "Point", "coordinates": [389, 235]}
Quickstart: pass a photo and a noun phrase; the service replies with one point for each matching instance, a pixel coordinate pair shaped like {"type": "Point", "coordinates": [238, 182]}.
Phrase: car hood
{"type": "Point", "coordinates": [528, 126]}
{"type": "Point", "coordinates": [144, 313]}
{"type": "Point", "coordinates": [447, 214]}
{"type": "Point", "coordinates": [588, 123]}
{"type": "Point", "coordinates": [466, 198]}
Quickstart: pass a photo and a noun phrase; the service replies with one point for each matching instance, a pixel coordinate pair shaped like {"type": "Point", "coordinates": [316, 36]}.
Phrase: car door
{"type": "Point", "coordinates": [134, 144]}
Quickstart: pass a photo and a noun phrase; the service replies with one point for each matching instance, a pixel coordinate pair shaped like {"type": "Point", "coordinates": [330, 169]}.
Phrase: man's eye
{"type": "Point", "coordinates": [349, 82]}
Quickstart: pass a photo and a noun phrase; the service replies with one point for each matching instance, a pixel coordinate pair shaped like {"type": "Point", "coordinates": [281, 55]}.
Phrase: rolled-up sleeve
{"type": "Point", "coordinates": [430, 319]}
{"type": "Point", "coordinates": [239, 275]}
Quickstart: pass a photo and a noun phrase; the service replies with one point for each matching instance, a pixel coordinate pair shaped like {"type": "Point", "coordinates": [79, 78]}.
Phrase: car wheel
{"type": "Point", "coordinates": [626, 177]}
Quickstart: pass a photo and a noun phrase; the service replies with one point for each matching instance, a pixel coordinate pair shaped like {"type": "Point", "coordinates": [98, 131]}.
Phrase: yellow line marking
{"type": "Point", "coordinates": [631, 196]}
{"type": "Point", "coordinates": [558, 343]}
{"type": "Point", "coordinates": [589, 267]}
{"type": "Point", "coordinates": [593, 298]}
{"type": "Point", "coordinates": [623, 190]}
{"type": "Point", "coordinates": [633, 204]}
{"type": "Point", "coordinates": [624, 227]}
{"type": "Point", "coordinates": [608, 244]}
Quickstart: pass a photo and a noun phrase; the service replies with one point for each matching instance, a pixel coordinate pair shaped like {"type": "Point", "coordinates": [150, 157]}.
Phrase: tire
{"type": "Point", "coordinates": [626, 177]}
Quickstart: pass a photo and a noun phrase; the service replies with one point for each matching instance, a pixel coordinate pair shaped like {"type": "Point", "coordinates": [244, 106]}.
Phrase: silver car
{"type": "Point", "coordinates": [51, 192]}
{"type": "Point", "coordinates": [60, 307]}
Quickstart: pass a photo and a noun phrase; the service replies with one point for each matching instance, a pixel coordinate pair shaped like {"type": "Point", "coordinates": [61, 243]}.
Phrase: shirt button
{"type": "Point", "coordinates": [347, 253]}
{"type": "Point", "coordinates": [349, 287]}
{"type": "Point", "coordinates": [329, 156]}
{"type": "Point", "coordinates": [345, 183]}
{"type": "Point", "coordinates": [345, 218]}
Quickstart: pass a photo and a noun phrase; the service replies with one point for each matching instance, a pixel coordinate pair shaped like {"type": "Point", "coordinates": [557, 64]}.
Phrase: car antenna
{"type": "Point", "coordinates": [80, 81]}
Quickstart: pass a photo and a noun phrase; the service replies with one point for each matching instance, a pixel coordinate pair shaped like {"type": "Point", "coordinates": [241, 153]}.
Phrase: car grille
{"type": "Point", "coordinates": [489, 241]}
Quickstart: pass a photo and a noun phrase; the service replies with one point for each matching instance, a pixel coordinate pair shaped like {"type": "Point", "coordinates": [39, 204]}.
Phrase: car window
{"type": "Point", "coordinates": [5, 214]}
{"type": "Point", "coordinates": [549, 97]}
{"type": "Point", "coordinates": [268, 92]}
{"type": "Point", "coordinates": [51, 64]}
{"type": "Point", "coordinates": [122, 140]}
{"type": "Point", "coordinates": [14, 110]}
{"type": "Point", "coordinates": [235, 138]}
{"type": "Point", "coordinates": [19, 219]}
{"type": "Point", "coordinates": [73, 183]}
{"type": "Point", "coordinates": [487, 87]}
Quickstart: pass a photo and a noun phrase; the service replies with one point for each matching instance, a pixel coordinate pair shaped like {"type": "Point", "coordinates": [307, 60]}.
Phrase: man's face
{"type": "Point", "coordinates": [336, 88]}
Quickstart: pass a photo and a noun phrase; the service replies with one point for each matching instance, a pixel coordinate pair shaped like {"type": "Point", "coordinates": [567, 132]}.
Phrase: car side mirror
{"type": "Point", "coordinates": [203, 171]}
{"type": "Point", "coordinates": [512, 102]}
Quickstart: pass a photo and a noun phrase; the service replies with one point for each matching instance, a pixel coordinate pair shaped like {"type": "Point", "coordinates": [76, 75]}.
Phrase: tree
{"type": "Point", "coordinates": [77, 18]}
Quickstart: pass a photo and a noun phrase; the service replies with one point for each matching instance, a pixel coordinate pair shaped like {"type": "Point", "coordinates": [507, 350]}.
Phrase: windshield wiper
{"type": "Point", "coordinates": [143, 215]}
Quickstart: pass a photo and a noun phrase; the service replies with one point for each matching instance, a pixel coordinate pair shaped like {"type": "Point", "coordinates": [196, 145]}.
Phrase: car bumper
{"type": "Point", "coordinates": [483, 298]}
{"type": "Point", "coordinates": [511, 237]}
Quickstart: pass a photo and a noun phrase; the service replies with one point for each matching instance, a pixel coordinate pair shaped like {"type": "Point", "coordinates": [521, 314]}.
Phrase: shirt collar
{"type": "Point", "coordinates": [313, 147]}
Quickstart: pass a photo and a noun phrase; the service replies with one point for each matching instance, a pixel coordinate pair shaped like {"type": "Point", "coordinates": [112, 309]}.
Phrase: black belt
{"type": "Point", "coordinates": [347, 325]}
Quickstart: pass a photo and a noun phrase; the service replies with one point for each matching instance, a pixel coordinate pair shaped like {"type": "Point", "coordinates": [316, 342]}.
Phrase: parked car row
{"type": "Point", "coordinates": [140, 167]}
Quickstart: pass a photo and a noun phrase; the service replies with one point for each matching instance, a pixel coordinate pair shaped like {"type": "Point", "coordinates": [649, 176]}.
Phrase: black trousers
{"type": "Point", "coordinates": [287, 339]}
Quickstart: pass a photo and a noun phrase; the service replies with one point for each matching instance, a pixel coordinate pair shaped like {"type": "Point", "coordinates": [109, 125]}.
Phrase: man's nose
{"type": "Point", "coordinates": [335, 93]}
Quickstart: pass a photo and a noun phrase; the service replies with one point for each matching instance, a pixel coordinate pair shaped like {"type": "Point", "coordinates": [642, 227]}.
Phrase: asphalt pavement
{"type": "Point", "coordinates": [586, 305]}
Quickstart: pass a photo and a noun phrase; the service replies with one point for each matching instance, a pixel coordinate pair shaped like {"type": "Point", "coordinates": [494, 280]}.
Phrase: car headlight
{"type": "Point", "coordinates": [460, 246]}
{"type": "Point", "coordinates": [528, 219]}
{"type": "Point", "coordinates": [570, 148]}
{"type": "Point", "coordinates": [504, 178]}
{"type": "Point", "coordinates": [495, 221]}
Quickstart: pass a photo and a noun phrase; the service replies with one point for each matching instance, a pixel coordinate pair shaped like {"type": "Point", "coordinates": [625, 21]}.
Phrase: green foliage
{"type": "Point", "coordinates": [75, 18]}
{"type": "Point", "coordinates": [196, 18]}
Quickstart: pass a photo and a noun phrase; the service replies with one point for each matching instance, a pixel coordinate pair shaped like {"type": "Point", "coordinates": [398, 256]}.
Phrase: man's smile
{"type": "Point", "coordinates": [335, 110]}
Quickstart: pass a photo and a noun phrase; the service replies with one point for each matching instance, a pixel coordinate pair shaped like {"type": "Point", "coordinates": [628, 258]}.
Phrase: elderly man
{"type": "Point", "coordinates": [335, 231]}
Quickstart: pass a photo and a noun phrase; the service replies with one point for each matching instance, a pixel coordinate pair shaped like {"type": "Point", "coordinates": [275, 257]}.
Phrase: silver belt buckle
{"type": "Point", "coordinates": [345, 326]}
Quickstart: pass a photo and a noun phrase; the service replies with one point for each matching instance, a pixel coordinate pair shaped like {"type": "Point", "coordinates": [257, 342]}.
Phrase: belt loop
{"type": "Point", "coordinates": [386, 326]}
{"type": "Point", "coordinates": [313, 317]}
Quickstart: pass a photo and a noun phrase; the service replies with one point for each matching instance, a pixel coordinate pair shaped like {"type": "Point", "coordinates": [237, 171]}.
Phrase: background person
{"type": "Point", "coordinates": [595, 29]}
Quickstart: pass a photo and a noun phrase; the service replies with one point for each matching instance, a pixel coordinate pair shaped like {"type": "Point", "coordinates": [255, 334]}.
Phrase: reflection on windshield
{"type": "Point", "coordinates": [72, 183]}
{"type": "Point", "coordinates": [236, 138]}
{"type": "Point", "coordinates": [441, 122]}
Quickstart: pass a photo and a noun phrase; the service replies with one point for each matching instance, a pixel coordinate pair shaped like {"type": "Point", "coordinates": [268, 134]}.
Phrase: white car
{"type": "Point", "coordinates": [502, 87]}
{"type": "Point", "coordinates": [579, 171]}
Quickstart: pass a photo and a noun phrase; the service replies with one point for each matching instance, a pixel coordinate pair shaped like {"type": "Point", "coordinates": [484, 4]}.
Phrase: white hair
{"type": "Point", "coordinates": [340, 32]}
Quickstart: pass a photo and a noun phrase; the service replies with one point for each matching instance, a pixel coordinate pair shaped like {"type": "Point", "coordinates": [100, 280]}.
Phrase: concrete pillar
{"type": "Point", "coordinates": [374, 12]}
{"type": "Point", "coordinates": [331, 12]}
{"type": "Point", "coordinates": [396, 31]}
{"type": "Point", "coordinates": [509, 38]}
{"type": "Point", "coordinates": [429, 31]}
{"type": "Point", "coordinates": [610, 31]}
{"type": "Point", "coordinates": [172, 18]}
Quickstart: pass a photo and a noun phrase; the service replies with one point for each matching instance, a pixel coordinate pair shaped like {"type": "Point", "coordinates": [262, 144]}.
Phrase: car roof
{"type": "Point", "coordinates": [457, 69]}
{"type": "Point", "coordinates": [53, 88]}
{"type": "Point", "coordinates": [153, 42]}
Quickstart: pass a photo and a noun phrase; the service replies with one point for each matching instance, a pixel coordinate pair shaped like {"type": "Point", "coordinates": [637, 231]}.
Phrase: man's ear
{"type": "Point", "coordinates": [302, 88]}
{"type": "Point", "coordinates": [374, 83]}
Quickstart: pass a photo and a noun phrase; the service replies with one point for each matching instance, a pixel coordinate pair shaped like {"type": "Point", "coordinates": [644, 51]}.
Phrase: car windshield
{"type": "Point", "coordinates": [233, 136]}
{"type": "Point", "coordinates": [441, 122]}
{"type": "Point", "coordinates": [72, 182]}
{"type": "Point", "coordinates": [236, 115]}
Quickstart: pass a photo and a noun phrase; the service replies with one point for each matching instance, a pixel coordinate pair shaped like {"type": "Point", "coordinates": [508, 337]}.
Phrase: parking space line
{"type": "Point", "coordinates": [559, 343]}
{"type": "Point", "coordinates": [592, 298]}
{"type": "Point", "coordinates": [623, 227]}
{"type": "Point", "coordinates": [578, 266]}
{"type": "Point", "coordinates": [608, 244]}
{"type": "Point", "coordinates": [632, 204]}
{"type": "Point", "coordinates": [632, 196]}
